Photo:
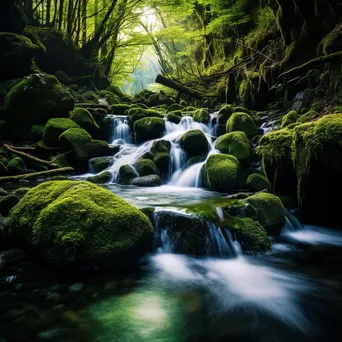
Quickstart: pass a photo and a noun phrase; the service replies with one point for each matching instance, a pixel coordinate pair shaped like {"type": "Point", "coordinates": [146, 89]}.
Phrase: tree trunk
{"type": "Point", "coordinates": [84, 22]}
{"type": "Point", "coordinates": [48, 12]}
{"type": "Point", "coordinates": [60, 16]}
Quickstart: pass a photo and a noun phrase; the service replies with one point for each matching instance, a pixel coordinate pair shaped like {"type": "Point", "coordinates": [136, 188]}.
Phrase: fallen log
{"type": "Point", "coordinates": [28, 156]}
{"type": "Point", "coordinates": [181, 87]}
{"type": "Point", "coordinates": [36, 175]}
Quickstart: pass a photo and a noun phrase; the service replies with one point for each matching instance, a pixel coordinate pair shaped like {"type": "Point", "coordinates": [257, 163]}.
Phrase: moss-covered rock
{"type": "Point", "coordinates": [102, 178]}
{"type": "Point", "coordinates": [153, 100]}
{"type": "Point", "coordinates": [235, 144]}
{"type": "Point", "coordinates": [7, 203]}
{"type": "Point", "coordinates": [35, 100]}
{"type": "Point", "coordinates": [91, 96]}
{"type": "Point", "coordinates": [222, 172]}
{"type": "Point", "coordinates": [120, 109]}
{"type": "Point", "coordinates": [3, 192]}
{"type": "Point", "coordinates": [71, 222]}
{"type": "Point", "coordinates": [115, 90]}
{"type": "Point", "coordinates": [275, 150]}
{"type": "Point", "coordinates": [74, 137]}
{"type": "Point", "coordinates": [16, 53]}
{"type": "Point", "coordinates": [109, 97]}
{"type": "Point", "coordinates": [16, 166]}
{"type": "Point", "coordinates": [148, 129]}
{"type": "Point", "coordinates": [317, 157]}
{"type": "Point", "coordinates": [54, 128]}
{"type": "Point", "coordinates": [81, 153]}
{"type": "Point", "coordinates": [271, 212]}
{"type": "Point", "coordinates": [242, 110]}
{"type": "Point", "coordinates": [85, 120]}
{"type": "Point", "coordinates": [225, 113]}
{"type": "Point", "coordinates": [175, 106]}
{"type": "Point", "coordinates": [147, 181]}
{"type": "Point", "coordinates": [126, 174]}
{"type": "Point", "coordinates": [257, 182]}
{"type": "Point", "coordinates": [101, 163]}
{"type": "Point", "coordinates": [21, 192]}
{"type": "Point", "coordinates": [308, 116]}
{"type": "Point", "coordinates": [194, 143]}
{"type": "Point", "coordinates": [139, 113]}
{"type": "Point", "coordinates": [241, 122]}
{"type": "Point", "coordinates": [176, 119]}
{"type": "Point", "coordinates": [145, 167]}
{"type": "Point", "coordinates": [161, 146]}
{"type": "Point", "coordinates": [162, 161]}
{"type": "Point", "coordinates": [289, 118]}
{"type": "Point", "coordinates": [202, 115]}
{"type": "Point", "coordinates": [37, 132]}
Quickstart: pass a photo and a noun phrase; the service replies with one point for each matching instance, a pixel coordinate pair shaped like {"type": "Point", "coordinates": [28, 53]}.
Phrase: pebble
{"type": "Point", "coordinates": [76, 287]}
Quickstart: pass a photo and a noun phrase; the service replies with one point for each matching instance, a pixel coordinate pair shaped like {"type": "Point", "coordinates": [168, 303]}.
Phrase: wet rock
{"type": "Point", "coordinates": [7, 203]}
{"type": "Point", "coordinates": [147, 181]}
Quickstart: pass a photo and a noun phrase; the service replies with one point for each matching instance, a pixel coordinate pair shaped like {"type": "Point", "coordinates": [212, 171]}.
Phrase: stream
{"type": "Point", "coordinates": [293, 292]}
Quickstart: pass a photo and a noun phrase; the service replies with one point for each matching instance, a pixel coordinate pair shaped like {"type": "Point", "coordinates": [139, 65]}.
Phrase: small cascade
{"type": "Point", "coordinates": [214, 124]}
{"type": "Point", "coordinates": [174, 234]}
{"type": "Point", "coordinates": [292, 224]}
{"type": "Point", "coordinates": [120, 131]}
{"type": "Point", "coordinates": [177, 158]}
{"type": "Point", "coordinates": [269, 126]}
{"type": "Point", "coordinates": [190, 177]}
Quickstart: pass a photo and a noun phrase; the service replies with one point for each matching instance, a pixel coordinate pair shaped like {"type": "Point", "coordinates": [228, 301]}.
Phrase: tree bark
{"type": "Point", "coordinates": [36, 175]}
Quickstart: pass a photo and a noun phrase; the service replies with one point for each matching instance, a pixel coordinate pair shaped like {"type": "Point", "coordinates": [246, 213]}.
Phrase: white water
{"type": "Point", "coordinates": [121, 132]}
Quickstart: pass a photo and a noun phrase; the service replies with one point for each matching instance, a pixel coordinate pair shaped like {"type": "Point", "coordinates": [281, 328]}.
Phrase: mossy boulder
{"type": "Point", "coordinates": [7, 203]}
{"type": "Point", "coordinates": [16, 53]}
{"type": "Point", "coordinates": [120, 109]}
{"type": "Point", "coordinates": [176, 119]}
{"type": "Point", "coordinates": [139, 113]}
{"type": "Point", "coordinates": [162, 161]}
{"type": "Point", "coordinates": [85, 120]}
{"type": "Point", "coordinates": [148, 129]}
{"type": "Point", "coordinates": [242, 110]}
{"type": "Point", "coordinates": [276, 153]}
{"type": "Point", "coordinates": [161, 146]}
{"type": "Point", "coordinates": [257, 182]}
{"type": "Point", "coordinates": [115, 90]}
{"type": "Point", "coordinates": [175, 106]}
{"type": "Point", "coordinates": [308, 116]}
{"type": "Point", "coordinates": [271, 212]}
{"type": "Point", "coordinates": [35, 100]}
{"type": "Point", "coordinates": [73, 223]}
{"type": "Point", "coordinates": [126, 174]}
{"type": "Point", "coordinates": [54, 128]}
{"type": "Point", "coordinates": [101, 178]}
{"type": "Point", "coordinates": [3, 192]}
{"type": "Point", "coordinates": [317, 157]}
{"type": "Point", "coordinates": [153, 100]}
{"type": "Point", "coordinates": [242, 122]}
{"type": "Point", "coordinates": [91, 96]}
{"type": "Point", "coordinates": [225, 113]}
{"type": "Point", "coordinates": [235, 144]}
{"type": "Point", "coordinates": [74, 137]}
{"type": "Point", "coordinates": [289, 118]}
{"type": "Point", "coordinates": [37, 132]}
{"type": "Point", "coordinates": [147, 181]}
{"type": "Point", "coordinates": [16, 166]}
{"type": "Point", "coordinates": [194, 143]}
{"type": "Point", "coordinates": [202, 115]}
{"type": "Point", "coordinates": [21, 192]}
{"type": "Point", "coordinates": [222, 172]}
{"type": "Point", "coordinates": [145, 167]}
{"type": "Point", "coordinates": [109, 97]}
{"type": "Point", "coordinates": [101, 163]}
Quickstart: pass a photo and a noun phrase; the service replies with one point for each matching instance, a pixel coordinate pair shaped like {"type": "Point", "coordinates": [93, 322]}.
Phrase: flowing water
{"type": "Point", "coordinates": [292, 293]}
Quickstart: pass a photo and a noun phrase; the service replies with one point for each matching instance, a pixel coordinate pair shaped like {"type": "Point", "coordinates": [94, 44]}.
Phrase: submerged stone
{"type": "Point", "coordinates": [147, 181]}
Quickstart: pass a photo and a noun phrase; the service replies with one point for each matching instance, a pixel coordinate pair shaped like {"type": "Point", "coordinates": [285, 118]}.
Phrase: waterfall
{"type": "Point", "coordinates": [214, 124]}
{"type": "Point", "coordinates": [174, 233]}
{"type": "Point", "coordinates": [120, 130]}
{"type": "Point", "coordinates": [292, 223]}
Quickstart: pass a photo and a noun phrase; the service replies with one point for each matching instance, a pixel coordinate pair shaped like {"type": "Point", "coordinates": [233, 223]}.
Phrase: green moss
{"type": "Point", "coordinates": [68, 222]}
{"type": "Point", "coordinates": [115, 90]}
{"type": "Point", "coordinates": [148, 129]}
{"type": "Point", "coordinates": [20, 192]}
{"type": "Point", "coordinates": [74, 137]}
{"type": "Point", "coordinates": [137, 114]}
{"type": "Point", "coordinates": [332, 42]}
{"type": "Point", "coordinates": [222, 172]}
{"type": "Point", "coordinates": [290, 118]}
{"type": "Point", "coordinates": [271, 211]}
{"type": "Point", "coordinates": [120, 109]}
{"type": "Point", "coordinates": [309, 116]}
{"type": "Point", "coordinates": [251, 234]}
{"type": "Point", "coordinates": [194, 143]}
{"type": "Point", "coordinates": [81, 153]}
{"type": "Point", "coordinates": [145, 167]}
{"type": "Point", "coordinates": [225, 113]}
{"type": "Point", "coordinates": [202, 115]}
{"type": "Point", "coordinates": [111, 98]}
{"type": "Point", "coordinates": [161, 146]}
{"type": "Point", "coordinates": [16, 166]}
{"type": "Point", "coordinates": [61, 160]}
{"type": "Point", "coordinates": [126, 174]}
{"type": "Point", "coordinates": [241, 122]}
{"type": "Point", "coordinates": [236, 144]}
{"type": "Point", "coordinates": [100, 164]}
{"type": "Point", "coordinates": [175, 107]}
{"type": "Point", "coordinates": [242, 110]}
{"type": "Point", "coordinates": [257, 182]}
{"type": "Point", "coordinates": [174, 118]}
{"type": "Point", "coordinates": [85, 120]}
{"type": "Point", "coordinates": [91, 96]}
{"type": "Point", "coordinates": [37, 132]}
{"type": "Point", "coordinates": [162, 161]}
{"type": "Point", "coordinates": [102, 178]}
{"type": "Point", "coordinates": [35, 100]}
{"type": "Point", "coordinates": [54, 128]}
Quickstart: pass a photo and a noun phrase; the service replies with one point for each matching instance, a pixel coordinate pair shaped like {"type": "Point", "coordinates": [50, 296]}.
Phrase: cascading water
{"type": "Point", "coordinates": [120, 130]}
